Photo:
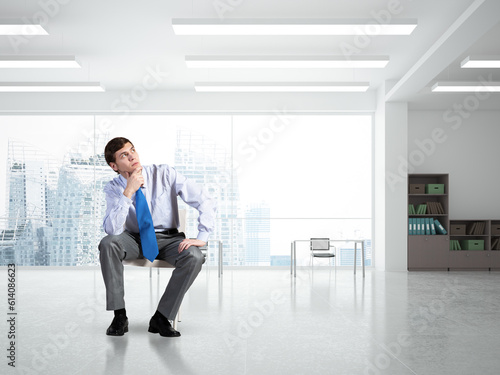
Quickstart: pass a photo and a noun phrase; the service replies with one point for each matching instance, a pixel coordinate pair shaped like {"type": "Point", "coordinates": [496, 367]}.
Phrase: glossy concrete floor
{"type": "Point", "coordinates": [261, 322]}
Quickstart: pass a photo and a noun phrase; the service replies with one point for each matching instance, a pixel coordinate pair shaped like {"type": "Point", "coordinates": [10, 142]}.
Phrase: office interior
{"type": "Point", "coordinates": [423, 112]}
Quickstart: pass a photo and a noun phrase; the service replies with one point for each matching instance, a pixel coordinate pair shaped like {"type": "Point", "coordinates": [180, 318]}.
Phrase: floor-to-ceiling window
{"type": "Point", "coordinates": [277, 178]}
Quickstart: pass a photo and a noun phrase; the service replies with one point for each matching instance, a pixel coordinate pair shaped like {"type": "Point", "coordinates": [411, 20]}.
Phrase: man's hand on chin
{"type": "Point", "coordinates": [135, 180]}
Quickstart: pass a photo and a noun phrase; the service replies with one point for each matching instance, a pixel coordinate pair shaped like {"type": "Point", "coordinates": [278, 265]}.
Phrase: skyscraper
{"type": "Point", "coordinates": [31, 183]}
{"type": "Point", "coordinates": [257, 234]}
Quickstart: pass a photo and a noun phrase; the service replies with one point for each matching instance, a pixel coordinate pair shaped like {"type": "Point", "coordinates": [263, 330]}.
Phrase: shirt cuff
{"type": "Point", "coordinates": [203, 236]}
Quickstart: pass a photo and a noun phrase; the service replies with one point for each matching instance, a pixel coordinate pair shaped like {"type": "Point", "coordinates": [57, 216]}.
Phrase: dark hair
{"type": "Point", "coordinates": [114, 145]}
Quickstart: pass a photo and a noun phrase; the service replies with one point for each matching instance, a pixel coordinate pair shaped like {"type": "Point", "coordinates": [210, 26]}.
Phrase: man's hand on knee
{"type": "Point", "coordinates": [189, 242]}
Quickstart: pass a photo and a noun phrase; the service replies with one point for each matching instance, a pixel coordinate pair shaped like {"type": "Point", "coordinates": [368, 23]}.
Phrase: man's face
{"type": "Point", "coordinates": [126, 159]}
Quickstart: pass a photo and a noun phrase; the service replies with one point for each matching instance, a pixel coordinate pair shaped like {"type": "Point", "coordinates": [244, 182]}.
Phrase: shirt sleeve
{"type": "Point", "coordinates": [197, 197]}
{"type": "Point", "coordinates": [117, 208]}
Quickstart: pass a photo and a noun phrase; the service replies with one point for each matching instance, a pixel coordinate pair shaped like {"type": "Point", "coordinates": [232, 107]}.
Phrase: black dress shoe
{"type": "Point", "coordinates": [118, 326]}
{"type": "Point", "coordinates": [160, 324]}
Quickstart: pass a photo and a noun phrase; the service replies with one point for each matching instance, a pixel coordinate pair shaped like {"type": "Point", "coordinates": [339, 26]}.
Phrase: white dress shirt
{"type": "Point", "coordinates": [162, 185]}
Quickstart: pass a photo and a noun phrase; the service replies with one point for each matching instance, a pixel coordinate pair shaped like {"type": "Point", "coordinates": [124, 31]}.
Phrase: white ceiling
{"type": "Point", "coordinates": [116, 41]}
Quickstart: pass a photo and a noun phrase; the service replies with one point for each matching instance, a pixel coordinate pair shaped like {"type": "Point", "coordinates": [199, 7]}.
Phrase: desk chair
{"type": "Point", "coordinates": [321, 248]}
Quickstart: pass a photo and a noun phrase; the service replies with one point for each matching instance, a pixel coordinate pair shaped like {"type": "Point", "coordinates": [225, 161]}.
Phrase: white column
{"type": "Point", "coordinates": [390, 181]}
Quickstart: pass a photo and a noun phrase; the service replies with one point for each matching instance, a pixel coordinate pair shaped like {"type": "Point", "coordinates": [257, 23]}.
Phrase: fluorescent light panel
{"type": "Point", "coordinates": [51, 87]}
{"type": "Point", "coordinates": [281, 87]}
{"type": "Point", "coordinates": [203, 26]}
{"type": "Point", "coordinates": [481, 62]}
{"type": "Point", "coordinates": [327, 62]}
{"type": "Point", "coordinates": [466, 87]}
{"type": "Point", "coordinates": [16, 28]}
{"type": "Point", "coordinates": [38, 62]}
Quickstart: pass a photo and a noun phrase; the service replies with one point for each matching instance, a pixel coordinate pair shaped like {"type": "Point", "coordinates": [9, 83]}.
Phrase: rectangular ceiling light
{"type": "Point", "coordinates": [51, 87]}
{"type": "Point", "coordinates": [203, 26]}
{"type": "Point", "coordinates": [481, 62]}
{"type": "Point", "coordinates": [320, 62]}
{"type": "Point", "coordinates": [281, 87]}
{"type": "Point", "coordinates": [17, 28]}
{"type": "Point", "coordinates": [38, 62]}
{"type": "Point", "coordinates": [466, 87]}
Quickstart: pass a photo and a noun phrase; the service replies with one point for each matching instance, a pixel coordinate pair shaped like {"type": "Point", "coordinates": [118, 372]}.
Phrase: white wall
{"type": "Point", "coordinates": [465, 144]}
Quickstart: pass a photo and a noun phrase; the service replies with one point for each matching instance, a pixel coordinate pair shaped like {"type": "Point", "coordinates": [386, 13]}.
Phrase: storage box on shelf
{"type": "Point", "coordinates": [472, 244]}
{"type": "Point", "coordinates": [417, 188]}
{"type": "Point", "coordinates": [434, 189]}
{"type": "Point", "coordinates": [457, 229]}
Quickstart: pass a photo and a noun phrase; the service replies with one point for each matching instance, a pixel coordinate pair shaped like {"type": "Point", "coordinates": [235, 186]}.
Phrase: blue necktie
{"type": "Point", "coordinates": [146, 228]}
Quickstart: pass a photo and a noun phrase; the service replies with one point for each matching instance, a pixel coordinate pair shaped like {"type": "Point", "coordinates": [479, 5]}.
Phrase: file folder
{"type": "Point", "coordinates": [439, 228]}
{"type": "Point", "coordinates": [427, 226]}
{"type": "Point", "coordinates": [433, 226]}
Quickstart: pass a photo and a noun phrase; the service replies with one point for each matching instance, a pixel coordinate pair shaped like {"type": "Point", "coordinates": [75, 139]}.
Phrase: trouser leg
{"type": "Point", "coordinates": [187, 267]}
{"type": "Point", "coordinates": [112, 250]}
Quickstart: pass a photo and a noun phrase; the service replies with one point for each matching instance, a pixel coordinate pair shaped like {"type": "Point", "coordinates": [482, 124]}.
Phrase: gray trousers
{"type": "Point", "coordinates": [114, 248]}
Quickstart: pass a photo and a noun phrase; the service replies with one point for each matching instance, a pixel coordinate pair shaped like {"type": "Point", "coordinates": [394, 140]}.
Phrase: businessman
{"type": "Point", "coordinates": [160, 185]}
